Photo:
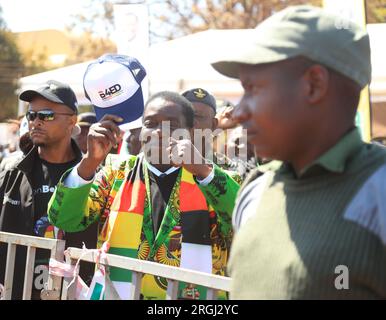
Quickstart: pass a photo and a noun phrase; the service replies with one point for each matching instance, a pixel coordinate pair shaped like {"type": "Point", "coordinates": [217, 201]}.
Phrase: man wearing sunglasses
{"type": "Point", "coordinates": [26, 188]}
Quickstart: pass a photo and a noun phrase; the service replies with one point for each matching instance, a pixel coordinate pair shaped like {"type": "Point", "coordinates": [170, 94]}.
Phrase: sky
{"type": "Point", "coordinates": [33, 15]}
{"type": "Point", "coordinates": [30, 15]}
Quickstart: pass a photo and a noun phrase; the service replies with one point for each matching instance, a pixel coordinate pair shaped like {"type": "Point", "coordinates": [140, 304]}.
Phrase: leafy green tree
{"type": "Point", "coordinates": [11, 69]}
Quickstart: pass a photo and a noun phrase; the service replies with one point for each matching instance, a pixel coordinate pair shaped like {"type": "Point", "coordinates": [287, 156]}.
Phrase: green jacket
{"type": "Point", "coordinates": [119, 198]}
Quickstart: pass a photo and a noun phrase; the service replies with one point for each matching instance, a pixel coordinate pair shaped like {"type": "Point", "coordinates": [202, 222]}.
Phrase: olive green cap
{"type": "Point", "coordinates": [307, 31]}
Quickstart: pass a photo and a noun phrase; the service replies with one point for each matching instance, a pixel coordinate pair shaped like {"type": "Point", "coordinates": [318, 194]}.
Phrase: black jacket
{"type": "Point", "coordinates": [17, 215]}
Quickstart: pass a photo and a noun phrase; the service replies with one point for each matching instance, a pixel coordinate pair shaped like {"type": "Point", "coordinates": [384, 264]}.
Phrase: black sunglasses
{"type": "Point", "coordinates": [44, 115]}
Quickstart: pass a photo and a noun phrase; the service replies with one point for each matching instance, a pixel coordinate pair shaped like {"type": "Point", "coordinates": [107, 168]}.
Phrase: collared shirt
{"type": "Point", "coordinates": [297, 230]}
{"type": "Point", "coordinates": [333, 160]}
{"type": "Point", "coordinates": [159, 173]}
{"type": "Point", "coordinates": [161, 186]}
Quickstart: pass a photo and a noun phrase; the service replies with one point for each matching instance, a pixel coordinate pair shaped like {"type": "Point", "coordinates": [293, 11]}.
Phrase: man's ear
{"type": "Point", "coordinates": [72, 124]}
{"type": "Point", "coordinates": [73, 119]}
{"type": "Point", "coordinates": [214, 124]}
{"type": "Point", "coordinates": [317, 79]}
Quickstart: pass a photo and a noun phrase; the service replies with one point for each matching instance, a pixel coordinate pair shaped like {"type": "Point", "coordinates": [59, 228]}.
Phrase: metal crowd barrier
{"type": "Point", "coordinates": [174, 275]}
{"type": "Point", "coordinates": [57, 252]}
{"type": "Point", "coordinates": [140, 267]}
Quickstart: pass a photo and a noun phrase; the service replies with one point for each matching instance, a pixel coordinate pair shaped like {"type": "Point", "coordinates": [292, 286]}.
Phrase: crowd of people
{"type": "Point", "coordinates": [279, 192]}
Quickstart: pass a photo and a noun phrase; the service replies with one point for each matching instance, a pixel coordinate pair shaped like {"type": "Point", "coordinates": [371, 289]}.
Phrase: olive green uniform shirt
{"type": "Point", "coordinates": [317, 235]}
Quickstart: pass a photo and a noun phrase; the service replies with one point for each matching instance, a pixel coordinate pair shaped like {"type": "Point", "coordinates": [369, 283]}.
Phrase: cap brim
{"type": "Point", "coordinates": [29, 95]}
{"type": "Point", "coordinates": [84, 124]}
{"type": "Point", "coordinates": [131, 125]}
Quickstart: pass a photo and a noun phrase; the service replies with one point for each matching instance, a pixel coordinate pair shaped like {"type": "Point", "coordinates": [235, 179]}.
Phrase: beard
{"type": "Point", "coordinates": [39, 138]}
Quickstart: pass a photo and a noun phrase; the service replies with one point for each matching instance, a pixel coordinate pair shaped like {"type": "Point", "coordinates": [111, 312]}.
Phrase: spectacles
{"type": "Point", "coordinates": [44, 115]}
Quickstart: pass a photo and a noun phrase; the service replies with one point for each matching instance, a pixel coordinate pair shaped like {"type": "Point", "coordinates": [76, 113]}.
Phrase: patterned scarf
{"type": "Point", "coordinates": [188, 235]}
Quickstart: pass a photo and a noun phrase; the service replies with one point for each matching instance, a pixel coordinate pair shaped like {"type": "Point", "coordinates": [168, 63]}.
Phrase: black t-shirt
{"type": "Point", "coordinates": [160, 190]}
{"type": "Point", "coordinates": [44, 178]}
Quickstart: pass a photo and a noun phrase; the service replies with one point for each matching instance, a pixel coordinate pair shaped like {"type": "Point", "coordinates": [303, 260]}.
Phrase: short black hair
{"type": "Point", "coordinates": [179, 100]}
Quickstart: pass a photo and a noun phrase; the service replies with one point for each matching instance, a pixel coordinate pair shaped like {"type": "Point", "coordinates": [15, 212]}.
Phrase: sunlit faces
{"type": "Point", "coordinates": [133, 141]}
{"type": "Point", "coordinates": [204, 116]}
{"type": "Point", "coordinates": [271, 109]}
{"type": "Point", "coordinates": [155, 144]}
{"type": "Point", "coordinates": [163, 122]}
{"type": "Point", "coordinates": [49, 122]}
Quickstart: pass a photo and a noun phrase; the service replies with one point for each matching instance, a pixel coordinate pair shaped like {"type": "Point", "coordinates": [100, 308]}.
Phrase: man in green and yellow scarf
{"type": "Point", "coordinates": [157, 206]}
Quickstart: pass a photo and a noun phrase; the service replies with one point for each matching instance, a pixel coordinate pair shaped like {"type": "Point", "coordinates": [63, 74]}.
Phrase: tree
{"type": "Point", "coordinates": [170, 19]}
{"type": "Point", "coordinates": [376, 11]}
{"type": "Point", "coordinates": [186, 17]}
{"type": "Point", "coordinates": [11, 68]}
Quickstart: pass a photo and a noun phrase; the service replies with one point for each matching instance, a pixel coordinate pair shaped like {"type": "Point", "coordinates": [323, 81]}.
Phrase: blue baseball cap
{"type": "Point", "coordinates": [112, 83]}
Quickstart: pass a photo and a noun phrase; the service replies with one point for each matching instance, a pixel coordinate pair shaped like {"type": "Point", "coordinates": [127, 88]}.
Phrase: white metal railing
{"type": "Point", "coordinates": [57, 252]}
{"type": "Point", "coordinates": [174, 275]}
